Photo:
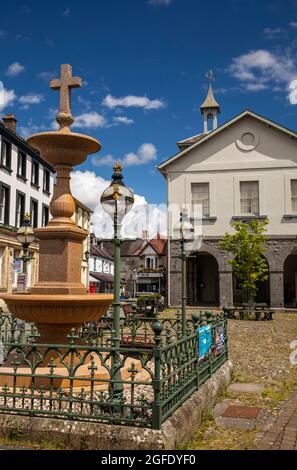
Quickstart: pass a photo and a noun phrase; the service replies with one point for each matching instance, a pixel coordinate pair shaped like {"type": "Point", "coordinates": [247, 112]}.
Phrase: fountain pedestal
{"type": "Point", "coordinates": [60, 249]}
{"type": "Point", "coordinates": [59, 301]}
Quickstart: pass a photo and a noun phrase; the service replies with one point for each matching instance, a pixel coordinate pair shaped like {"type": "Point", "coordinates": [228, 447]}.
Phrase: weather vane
{"type": "Point", "coordinates": [209, 75]}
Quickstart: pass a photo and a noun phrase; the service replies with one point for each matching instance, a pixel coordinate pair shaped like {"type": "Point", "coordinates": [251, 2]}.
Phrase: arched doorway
{"type": "Point", "coordinates": [290, 280]}
{"type": "Point", "coordinates": [202, 280]}
{"type": "Point", "coordinates": [263, 293]}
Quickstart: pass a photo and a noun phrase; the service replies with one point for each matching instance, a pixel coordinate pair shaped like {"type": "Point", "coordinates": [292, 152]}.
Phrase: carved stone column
{"type": "Point", "coordinates": [226, 288]}
{"type": "Point", "coordinates": [276, 289]}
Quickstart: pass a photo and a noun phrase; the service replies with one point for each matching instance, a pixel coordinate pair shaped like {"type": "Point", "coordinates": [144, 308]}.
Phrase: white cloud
{"type": "Point", "coordinates": [293, 24]}
{"type": "Point", "coordinates": [107, 160]}
{"type": "Point", "coordinates": [47, 76]}
{"type": "Point", "coordinates": [293, 92]}
{"type": "Point", "coordinates": [29, 99]}
{"type": "Point", "coordinates": [7, 97]}
{"type": "Point", "coordinates": [66, 12]}
{"type": "Point", "coordinates": [142, 216]}
{"type": "Point", "coordinates": [132, 101]}
{"type": "Point", "coordinates": [15, 69]}
{"type": "Point", "coordinates": [123, 120]}
{"type": "Point", "coordinates": [256, 86]}
{"type": "Point", "coordinates": [91, 120]}
{"type": "Point", "coordinates": [22, 37]}
{"type": "Point", "coordinates": [145, 154]}
{"type": "Point", "coordinates": [261, 69]}
{"type": "Point", "coordinates": [272, 33]}
{"type": "Point", "coordinates": [31, 128]}
{"type": "Point", "coordinates": [159, 2]}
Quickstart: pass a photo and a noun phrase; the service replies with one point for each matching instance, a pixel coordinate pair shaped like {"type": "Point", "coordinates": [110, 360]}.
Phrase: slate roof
{"type": "Point", "coordinates": [190, 141]}
{"type": "Point", "coordinates": [137, 246]}
{"type": "Point", "coordinates": [102, 277]}
{"type": "Point", "coordinates": [21, 142]}
{"type": "Point", "coordinates": [101, 252]}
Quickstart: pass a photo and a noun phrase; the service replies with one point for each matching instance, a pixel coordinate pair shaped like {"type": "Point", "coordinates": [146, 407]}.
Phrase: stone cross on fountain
{"type": "Point", "coordinates": [64, 84]}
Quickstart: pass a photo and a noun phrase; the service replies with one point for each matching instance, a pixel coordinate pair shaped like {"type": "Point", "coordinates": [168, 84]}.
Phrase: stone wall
{"type": "Point", "coordinates": [177, 430]}
{"type": "Point", "coordinates": [277, 251]}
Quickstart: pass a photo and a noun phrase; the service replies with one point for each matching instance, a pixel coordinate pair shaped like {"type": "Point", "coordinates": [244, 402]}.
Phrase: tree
{"type": "Point", "coordinates": [247, 245]}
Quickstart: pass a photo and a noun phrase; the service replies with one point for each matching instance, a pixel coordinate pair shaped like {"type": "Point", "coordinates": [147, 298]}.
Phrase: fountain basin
{"type": "Point", "coordinates": [64, 148]}
{"type": "Point", "coordinates": [55, 316]}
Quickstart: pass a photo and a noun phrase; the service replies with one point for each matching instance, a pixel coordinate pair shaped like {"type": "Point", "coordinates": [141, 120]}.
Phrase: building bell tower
{"type": "Point", "coordinates": [210, 108]}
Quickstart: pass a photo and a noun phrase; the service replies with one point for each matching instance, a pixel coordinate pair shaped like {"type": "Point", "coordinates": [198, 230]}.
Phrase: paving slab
{"type": "Point", "coordinates": [256, 389]}
{"type": "Point", "coordinates": [235, 414]}
{"type": "Point", "coordinates": [238, 423]}
{"type": "Point", "coordinates": [242, 412]}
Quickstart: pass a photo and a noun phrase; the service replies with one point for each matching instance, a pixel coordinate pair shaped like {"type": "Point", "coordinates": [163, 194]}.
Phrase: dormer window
{"type": "Point", "coordinates": [150, 262]}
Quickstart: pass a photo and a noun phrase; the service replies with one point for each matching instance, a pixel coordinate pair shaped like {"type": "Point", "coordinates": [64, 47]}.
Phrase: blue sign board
{"type": "Point", "coordinates": [204, 341]}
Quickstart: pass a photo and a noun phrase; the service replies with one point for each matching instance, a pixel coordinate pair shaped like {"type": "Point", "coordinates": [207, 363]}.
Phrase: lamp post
{"type": "Point", "coordinates": [25, 236]}
{"type": "Point", "coordinates": [87, 255]}
{"type": "Point", "coordinates": [184, 232]}
{"type": "Point", "coordinates": [117, 200]}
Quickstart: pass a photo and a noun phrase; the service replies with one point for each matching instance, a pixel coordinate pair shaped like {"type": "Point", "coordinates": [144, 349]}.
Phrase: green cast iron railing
{"type": "Point", "coordinates": [160, 368]}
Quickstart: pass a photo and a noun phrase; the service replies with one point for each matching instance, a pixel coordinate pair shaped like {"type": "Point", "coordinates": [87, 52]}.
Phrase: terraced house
{"type": "Point", "coordinates": [26, 185]}
{"type": "Point", "coordinates": [242, 170]}
{"type": "Point", "coordinates": [143, 264]}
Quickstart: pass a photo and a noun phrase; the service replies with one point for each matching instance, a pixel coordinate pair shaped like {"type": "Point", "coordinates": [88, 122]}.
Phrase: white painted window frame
{"type": "Point", "coordinates": [237, 179]}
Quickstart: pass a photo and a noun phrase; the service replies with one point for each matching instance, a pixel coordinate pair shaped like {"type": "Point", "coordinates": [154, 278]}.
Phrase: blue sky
{"type": "Point", "coordinates": [143, 63]}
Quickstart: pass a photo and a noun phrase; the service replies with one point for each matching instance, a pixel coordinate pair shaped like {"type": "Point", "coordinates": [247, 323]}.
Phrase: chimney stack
{"type": "Point", "coordinates": [144, 234]}
{"type": "Point", "coordinates": [10, 121]}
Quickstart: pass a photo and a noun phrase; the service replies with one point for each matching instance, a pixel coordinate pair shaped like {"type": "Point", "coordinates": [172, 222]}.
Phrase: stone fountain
{"type": "Point", "coordinates": [59, 301]}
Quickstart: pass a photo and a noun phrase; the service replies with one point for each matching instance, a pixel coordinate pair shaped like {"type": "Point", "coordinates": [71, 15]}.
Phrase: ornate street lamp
{"type": "Point", "coordinates": [117, 200]}
{"type": "Point", "coordinates": [25, 236]}
{"type": "Point", "coordinates": [184, 232]}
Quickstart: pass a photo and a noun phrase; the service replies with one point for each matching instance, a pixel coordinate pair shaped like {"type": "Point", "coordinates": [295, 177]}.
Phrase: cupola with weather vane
{"type": "Point", "coordinates": [210, 107]}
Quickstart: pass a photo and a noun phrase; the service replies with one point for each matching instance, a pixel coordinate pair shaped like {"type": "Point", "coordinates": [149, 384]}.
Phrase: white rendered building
{"type": "Point", "coordinates": [26, 185]}
{"type": "Point", "coordinates": [241, 170]}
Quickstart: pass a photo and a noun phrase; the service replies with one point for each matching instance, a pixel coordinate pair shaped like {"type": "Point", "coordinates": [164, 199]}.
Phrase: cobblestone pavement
{"type": "Point", "coordinates": [260, 353]}
{"type": "Point", "coordinates": [283, 433]}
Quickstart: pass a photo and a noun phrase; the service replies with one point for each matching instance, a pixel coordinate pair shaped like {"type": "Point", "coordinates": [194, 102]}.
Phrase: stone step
{"type": "Point", "coordinates": [256, 389]}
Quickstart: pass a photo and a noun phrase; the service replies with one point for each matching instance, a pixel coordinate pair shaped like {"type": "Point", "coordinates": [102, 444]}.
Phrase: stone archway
{"type": "Point", "coordinates": [290, 280]}
{"type": "Point", "coordinates": [277, 252]}
{"type": "Point", "coordinates": [202, 280]}
{"type": "Point", "coordinates": [263, 293]}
